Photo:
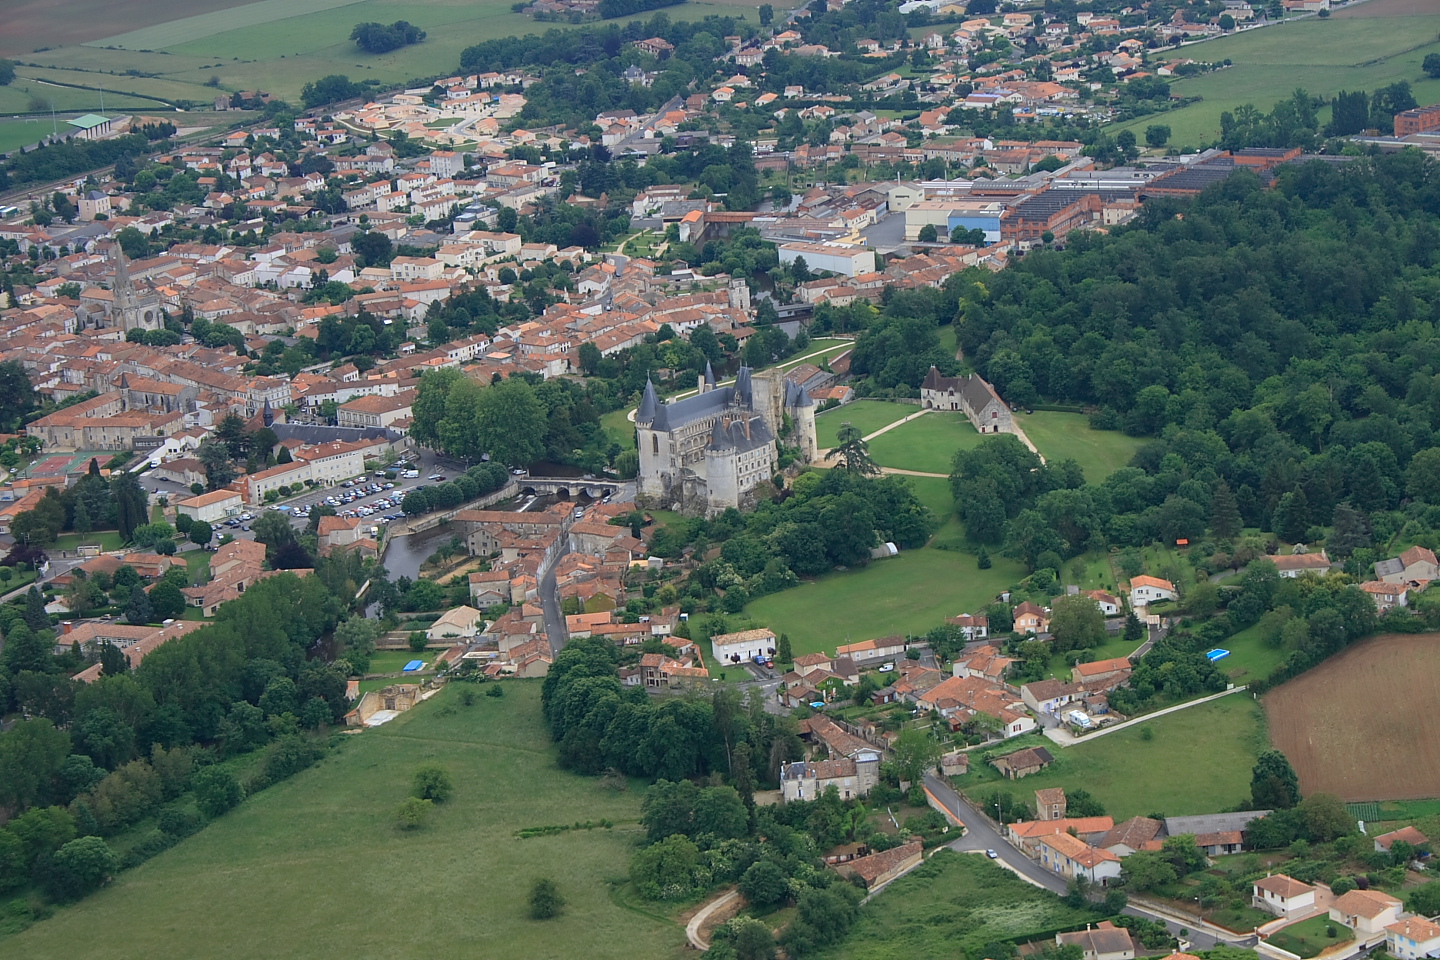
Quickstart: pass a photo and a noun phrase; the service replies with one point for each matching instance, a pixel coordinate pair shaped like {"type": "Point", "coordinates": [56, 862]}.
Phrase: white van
{"type": "Point", "coordinates": [412, 474]}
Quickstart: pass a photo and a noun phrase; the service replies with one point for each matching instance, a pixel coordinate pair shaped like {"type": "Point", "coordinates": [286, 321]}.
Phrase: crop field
{"type": "Point", "coordinates": [1062, 436]}
{"type": "Point", "coordinates": [315, 866]}
{"type": "Point", "coordinates": [1363, 48]}
{"type": "Point", "coordinates": [279, 45]}
{"type": "Point", "coordinates": [1365, 724]}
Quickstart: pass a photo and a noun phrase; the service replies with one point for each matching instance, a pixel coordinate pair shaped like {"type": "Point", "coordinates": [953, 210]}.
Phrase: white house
{"type": "Point", "coordinates": [742, 646]}
{"type": "Point", "coordinates": [1146, 590]}
{"type": "Point", "coordinates": [1412, 938]}
{"type": "Point", "coordinates": [834, 257]}
{"type": "Point", "coordinates": [1283, 896]}
{"type": "Point", "coordinates": [461, 623]}
{"type": "Point", "coordinates": [212, 506]}
{"type": "Point", "coordinates": [1298, 563]}
{"type": "Point", "coordinates": [1367, 912]}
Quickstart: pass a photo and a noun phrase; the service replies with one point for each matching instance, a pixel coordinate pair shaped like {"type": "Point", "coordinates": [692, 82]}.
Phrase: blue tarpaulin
{"type": "Point", "coordinates": [414, 665]}
{"type": "Point", "coordinates": [1213, 655]}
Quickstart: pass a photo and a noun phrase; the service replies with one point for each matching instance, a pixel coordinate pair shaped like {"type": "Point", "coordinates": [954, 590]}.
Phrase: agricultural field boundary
{"type": "Point", "coordinates": [205, 25]}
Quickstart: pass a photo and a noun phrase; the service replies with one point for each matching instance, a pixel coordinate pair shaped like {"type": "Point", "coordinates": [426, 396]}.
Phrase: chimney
{"type": "Point", "coordinates": [66, 626]}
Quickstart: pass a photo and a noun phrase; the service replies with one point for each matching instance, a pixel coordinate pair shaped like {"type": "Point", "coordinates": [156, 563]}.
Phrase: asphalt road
{"type": "Point", "coordinates": [981, 834]}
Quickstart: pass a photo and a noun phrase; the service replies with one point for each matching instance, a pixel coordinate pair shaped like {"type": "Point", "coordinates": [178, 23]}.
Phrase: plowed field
{"type": "Point", "coordinates": [1365, 725]}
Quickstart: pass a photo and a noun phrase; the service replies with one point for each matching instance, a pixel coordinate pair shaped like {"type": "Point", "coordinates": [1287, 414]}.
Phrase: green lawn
{"type": "Point", "coordinates": [908, 594]}
{"type": "Point", "coordinates": [953, 906]}
{"type": "Point", "coordinates": [1197, 761]}
{"type": "Point", "coordinates": [1323, 57]}
{"type": "Point", "coordinates": [197, 565]}
{"type": "Point", "coordinates": [927, 444]}
{"type": "Point", "coordinates": [935, 494]}
{"type": "Point", "coordinates": [865, 415]}
{"type": "Point", "coordinates": [1309, 937]}
{"type": "Point", "coordinates": [393, 661]}
{"type": "Point", "coordinates": [108, 539]}
{"type": "Point", "coordinates": [316, 867]}
{"type": "Point", "coordinates": [1250, 658]}
{"type": "Point", "coordinates": [617, 424]}
{"type": "Point", "coordinates": [1062, 436]}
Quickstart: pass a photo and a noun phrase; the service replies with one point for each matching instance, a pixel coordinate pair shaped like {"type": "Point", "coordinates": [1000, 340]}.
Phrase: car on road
{"type": "Point", "coordinates": [887, 667]}
{"type": "Point", "coordinates": [992, 854]}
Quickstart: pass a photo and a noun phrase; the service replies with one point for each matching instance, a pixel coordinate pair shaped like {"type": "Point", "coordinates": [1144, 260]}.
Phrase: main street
{"type": "Point", "coordinates": [981, 835]}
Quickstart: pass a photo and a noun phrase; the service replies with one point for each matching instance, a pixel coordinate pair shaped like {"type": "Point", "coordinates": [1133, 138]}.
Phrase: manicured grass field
{"type": "Point", "coordinates": [1197, 761]}
{"type": "Point", "coordinates": [1309, 937]}
{"type": "Point", "coordinates": [926, 444]}
{"type": "Point", "coordinates": [1322, 57]}
{"type": "Point", "coordinates": [197, 565]}
{"type": "Point", "coordinates": [108, 539]}
{"type": "Point", "coordinates": [952, 906]}
{"type": "Point", "coordinates": [393, 661]}
{"type": "Point", "coordinates": [15, 134]}
{"type": "Point", "coordinates": [617, 424]}
{"type": "Point", "coordinates": [316, 867]}
{"type": "Point", "coordinates": [908, 594]}
{"type": "Point", "coordinates": [866, 415]}
{"type": "Point", "coordinates": [1067, 436]}
{"type": "Point", "coordinates": [935, 494]}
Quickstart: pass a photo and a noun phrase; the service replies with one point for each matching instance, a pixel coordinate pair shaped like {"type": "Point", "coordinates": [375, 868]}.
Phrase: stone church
{"type": "Point", "coordinates": [130, 309]}
{"type": "Point", "coordinates": [710, 451]}
{"type": "Point", "coordinates": [970, 395]}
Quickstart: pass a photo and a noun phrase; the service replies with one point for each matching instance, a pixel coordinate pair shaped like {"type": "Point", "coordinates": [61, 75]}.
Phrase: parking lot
{"type": "Point", "coordinates": [371, 497]}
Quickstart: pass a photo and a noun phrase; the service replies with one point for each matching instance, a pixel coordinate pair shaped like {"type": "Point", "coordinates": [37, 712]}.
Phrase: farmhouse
{"type": "Point", "coordinates": [879, 868]}
{"type": "Point", "coordinates": [869, 650]}
{"type": "Point", "coordinates": [462, 622]}
{"type": "Point", "coordinates": [1050, 804]}
{"type": "Point", "coordinates": [1132, 836]}
{"type": "Point", "coordinates": [807, 780]}
{"type": "Point", "coordinates": [1406, 834]}
{"type": "Point", "coordinates": [1102, 672]}
{"type": "Point", "coordinates": [1283, 896]}
{"type": "Point", "coordinates": [1415, 565]}
{"type": "Point", "coordinates": [1048, 696]}
{"type": "Point", "coordinates": [1028, 834]}
{"type": "Point", "coordinates": [970, 395]}
{"type": "Point", "coordinates": [1022, 763]}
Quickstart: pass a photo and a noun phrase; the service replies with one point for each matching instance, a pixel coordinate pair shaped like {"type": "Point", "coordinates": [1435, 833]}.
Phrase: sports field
{"type": "Point", "coordinates": [1062, 436]}
{"type": "Point", "coordinates": [275, 45]}
{"type": "Point", "coordinates": [1362, 48]}
{"type": "Point", "coordinates": [1196, 761]}
{"type": "Point", "coordinates": [316, 867]}
{"type": "Point", "coordinates": [908, 594]}
{"type": "Point", "coordinates": [1365, 724]}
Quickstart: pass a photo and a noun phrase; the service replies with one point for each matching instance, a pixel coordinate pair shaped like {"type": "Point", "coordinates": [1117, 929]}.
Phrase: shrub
{"type": "Point", "coordinates": [78, 868]}
{"type": "Point", "coordinates": [418, 641]}
{"type": "Point", "coordinates": [432, 783]}
{"type": "Point", "coordinates": [216, 791]}
{"type": "Point", "coordinates": [495, 690]}
{"type": "Point", "coordinates": [467, 697]}
{"type": "Point", "coordinates": [545, 899]}
{"type": "Point", "coordinates": [179, 823]}
{"type": "Point", "coordinates": [412, 813]}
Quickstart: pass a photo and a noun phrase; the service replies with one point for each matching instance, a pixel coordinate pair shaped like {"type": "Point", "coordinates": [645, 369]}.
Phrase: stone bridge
{"type": "Point", "coordinates": [566, 486]}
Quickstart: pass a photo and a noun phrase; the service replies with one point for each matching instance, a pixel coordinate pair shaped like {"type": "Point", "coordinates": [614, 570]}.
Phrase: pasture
{"type": "Point", "coordinates": [1065, 436]}
{"type": "Point", "coordinates": [1363, 725]}
{"type": "Point", "coordinates": [1196, 761]}
{"type": "Point", "coordinates": [953, 905]}
{"type": "Point", "coordinates": [316, 866]}
{"type": "Point", "coordinates": [904, 595]}
{"type": "Point", "coordinates": [1357, 49]}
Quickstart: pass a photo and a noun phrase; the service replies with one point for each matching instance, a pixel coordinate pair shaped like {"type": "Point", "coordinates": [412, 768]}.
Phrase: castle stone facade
{"type": "Point", "coordinates": [711, 451]}
{"type": "Point", "coordinates": [970, 395]}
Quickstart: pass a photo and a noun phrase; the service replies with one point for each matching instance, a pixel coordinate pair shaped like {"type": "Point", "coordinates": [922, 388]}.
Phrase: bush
{"type": "Point", "coordinates": [78, 868]}
{"type": "Point", "coordinates": [432, 783]}
{"type": "Point", "coordinates": [418, 641]}
{"type": "Point", "coordinates": [179, 823]}
{"type": "Point", "coordinates": [152, 844]}
{"type": "Point", "coordinates": [495, 690]}
{"type": "Point", "coordinates": [216, 791]}
{"type": "Point", "coordinates": [412, 813]}
{"type": "Point", "coordinates": [467, 696]}
{"type": "Point", "coordinates": [545, 899]}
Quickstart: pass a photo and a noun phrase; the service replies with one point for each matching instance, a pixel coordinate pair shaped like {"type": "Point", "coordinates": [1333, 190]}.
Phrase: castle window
{"type": "Point", "coordinates": [655, 442]}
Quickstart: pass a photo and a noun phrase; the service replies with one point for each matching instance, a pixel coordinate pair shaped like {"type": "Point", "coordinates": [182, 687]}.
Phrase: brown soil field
{"type": "Point", "coordinates": [27, 25]}
{"type": "Point", "coordinates": [1388, 8]}
{"type": "Point", "coordinates": [1365, 724]}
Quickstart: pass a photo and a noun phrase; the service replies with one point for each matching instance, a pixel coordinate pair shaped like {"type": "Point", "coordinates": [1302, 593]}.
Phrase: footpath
{"type": "Point", "coordinates": [1065, 738]}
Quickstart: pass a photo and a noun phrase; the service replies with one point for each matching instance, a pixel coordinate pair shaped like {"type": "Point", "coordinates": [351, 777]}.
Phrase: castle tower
{"type": "Point", "coordinates": [805, 426]}
{"type": "Point", "coordinates": [739, 294]}
{"type": "Point", "coordinates": [652, 442]}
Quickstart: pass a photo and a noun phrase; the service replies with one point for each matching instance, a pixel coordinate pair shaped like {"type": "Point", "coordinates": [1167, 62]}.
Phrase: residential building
{"type": "Point", "coordinates": [1072, 857]}
{"type": "Point", "coordinates": [880, 868]}
{"type": "Point", "coordinates": [1145, 590]}
{"type": "Point", "coordinates": [211, 507]}
{"type": "Point", "coordinates": [1367, 912]}
{"type": "Point", "coordinates": [1283, 896]}
{"type": "Point", "coordinates": [1132, 836]}
{"type": "Point", "coordinates": [1295, 564]}
{"type": "Point", "coordinates": [1028, 617]}
{"type": "Point", "coordinates": [1022, 763]}
{"type": "Point", "coordinates": [807, 780]}
{"type": "Point", "coordinates": [743, 646]}
{"type": "Point", "coordinates": [1050, 803]}
{"type": "Point", "coordinates": [1416, 565]}
{"type": "Point", "coordinates": [463, 623]}
{"type": "Point", "coordinates": [1412, 939]}
{"type": "Point", "coordinates": [1104, 941]}
{"type": "Point", "coordinates": [1406, 834]}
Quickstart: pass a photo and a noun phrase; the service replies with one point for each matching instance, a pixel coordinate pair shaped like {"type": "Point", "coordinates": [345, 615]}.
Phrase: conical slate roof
{"type": "Point", "coordinates": [709, 374]}
{"type": "Point", "coordinates": [648, 404]}
{"type": "Point", "coordinates": [718, 438]}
